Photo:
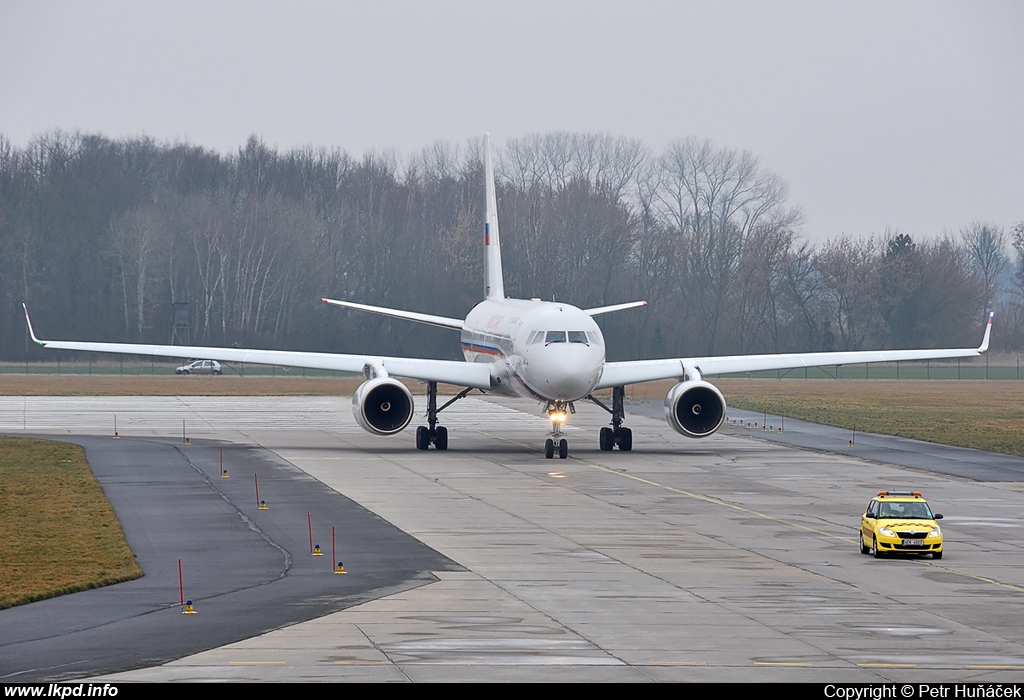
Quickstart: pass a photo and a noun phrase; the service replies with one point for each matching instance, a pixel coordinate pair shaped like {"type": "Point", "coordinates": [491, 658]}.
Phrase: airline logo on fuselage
{"type": "Point", "coordinates": [487, 234]}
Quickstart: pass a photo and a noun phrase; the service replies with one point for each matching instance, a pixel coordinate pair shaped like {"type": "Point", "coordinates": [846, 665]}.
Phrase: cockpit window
{"type": "Point", "coordinates": [554, 337]}
{"type": "Point", "coordinates": [578, 337]}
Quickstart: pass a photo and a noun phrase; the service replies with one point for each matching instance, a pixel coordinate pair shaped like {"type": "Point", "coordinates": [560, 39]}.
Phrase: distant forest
{"type": "Point", "coordinates": [102, 236]}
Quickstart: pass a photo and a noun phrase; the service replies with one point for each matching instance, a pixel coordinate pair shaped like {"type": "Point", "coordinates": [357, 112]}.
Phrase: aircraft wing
{"type": "Point", "coordinates": [632, 372]}
{"type": "Point", "coordinates": [477, 376]}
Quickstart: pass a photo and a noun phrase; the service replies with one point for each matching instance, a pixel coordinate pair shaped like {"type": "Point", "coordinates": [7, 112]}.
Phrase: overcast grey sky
{"type": "Point", "coordinates": [907, 115]}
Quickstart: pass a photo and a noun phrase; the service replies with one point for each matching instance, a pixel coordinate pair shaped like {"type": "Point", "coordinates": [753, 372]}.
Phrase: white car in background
{"type": "Point", "coordinates": [200, 367]}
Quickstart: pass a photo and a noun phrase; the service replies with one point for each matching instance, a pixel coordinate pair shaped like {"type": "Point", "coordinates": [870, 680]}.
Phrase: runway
{"type": "Point", "coordinates": [726, 559]}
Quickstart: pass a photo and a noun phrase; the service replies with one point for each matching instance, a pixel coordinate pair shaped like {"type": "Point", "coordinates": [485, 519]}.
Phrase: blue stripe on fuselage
{"type": "Point", "coordinates": [497, 353]}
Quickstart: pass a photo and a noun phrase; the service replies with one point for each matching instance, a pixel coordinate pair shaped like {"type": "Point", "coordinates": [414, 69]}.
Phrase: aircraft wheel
{"type": "Point", "coordinates": [563, 448]}
{"type": "Point", "coordinates": [549, 448]}
{"type": "Point", "coordinates": [422, 438]}
{"type": "Point", "coordinates": [606, 439]}
{"type": "Point", "coordinates": [626, 440]}
{"type": "Point", "coordinates": [441, 438]}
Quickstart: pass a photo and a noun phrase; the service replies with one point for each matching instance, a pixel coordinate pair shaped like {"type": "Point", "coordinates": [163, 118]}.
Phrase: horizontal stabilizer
{"type": "Point", "coordinates": [407, 315]}
{"type": "Point", "coordinates": [614, 307]}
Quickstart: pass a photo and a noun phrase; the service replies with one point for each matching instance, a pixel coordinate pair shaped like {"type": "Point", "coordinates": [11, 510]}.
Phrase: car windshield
{"type": "Point", "coordinates": [910, 510]}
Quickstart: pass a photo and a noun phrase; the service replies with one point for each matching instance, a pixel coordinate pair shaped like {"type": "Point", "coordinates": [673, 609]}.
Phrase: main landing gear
{"type": "Point", "coordinates": [556, 414]}
{"type": "Point", "coordinates": [434, 434]}
{"type": "Point", "coordinates": [616, 434]}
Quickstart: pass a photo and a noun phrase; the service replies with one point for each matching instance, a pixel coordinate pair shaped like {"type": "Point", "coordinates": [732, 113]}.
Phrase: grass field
{"type": "Point", "coordinates": [987, 415]}
{"type": "Point", "coordinates": [58, 532]}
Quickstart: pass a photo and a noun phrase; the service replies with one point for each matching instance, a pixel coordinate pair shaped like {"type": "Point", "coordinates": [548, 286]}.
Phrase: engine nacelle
{"type": "Point", "coordinates": [382, 406]}
{"type": "Point", "coordinates": [696, 409]}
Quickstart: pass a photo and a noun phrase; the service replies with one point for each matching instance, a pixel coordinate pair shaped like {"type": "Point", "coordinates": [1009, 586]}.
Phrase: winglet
{"type": "Point", "coordinates": [30, 331]}
{"type": "Point", "coordinates": [988, 333]}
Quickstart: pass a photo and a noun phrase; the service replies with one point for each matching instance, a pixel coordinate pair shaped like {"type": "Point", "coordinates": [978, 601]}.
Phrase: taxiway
{"type": "Point", "coordinates": [727, 559]}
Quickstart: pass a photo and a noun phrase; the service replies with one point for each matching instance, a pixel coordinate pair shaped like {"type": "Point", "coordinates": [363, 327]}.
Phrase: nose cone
{"type": "Point", "coordinates": [565, 371]}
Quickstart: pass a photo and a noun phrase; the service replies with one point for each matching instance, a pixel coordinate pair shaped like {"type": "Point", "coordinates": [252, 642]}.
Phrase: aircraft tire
{"type": "Point", "coordinates": [563, 448]}
{"type": "Point", "coordinates": [626, 440]}
{"type": "Point", "coordinates": [441, 438]}
{"type": "Point", "coordinates": [422, 439]}
{"type": "Point", "coordinates": [606, 439]}
{"type": "Point", "coordinates": [549, 448]}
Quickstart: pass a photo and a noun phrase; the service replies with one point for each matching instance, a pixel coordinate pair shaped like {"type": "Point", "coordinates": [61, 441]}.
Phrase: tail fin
{"type": "Point", "coordinates": [494, 287]}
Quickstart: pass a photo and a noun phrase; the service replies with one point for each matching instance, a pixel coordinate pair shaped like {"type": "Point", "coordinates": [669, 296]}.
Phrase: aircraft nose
{"type": "Point", "coordinates": [568, 371]}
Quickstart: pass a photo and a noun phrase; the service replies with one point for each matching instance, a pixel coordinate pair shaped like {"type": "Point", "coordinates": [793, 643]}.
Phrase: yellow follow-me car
{"type": "Point", "coordinates": [900, 521]}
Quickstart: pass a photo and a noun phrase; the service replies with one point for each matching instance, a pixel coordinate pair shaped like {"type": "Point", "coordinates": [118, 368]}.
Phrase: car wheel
{"type": "Point", "coordinates": [216, 371]}
{"type": "Point", "coordinates": [874, 548]}
{"type": "Point", "coordinates": [863, 549]}
{"type": "Point", "coordinates": [185, 371]}
{"type": "Point", "coordinates": [936, 555]}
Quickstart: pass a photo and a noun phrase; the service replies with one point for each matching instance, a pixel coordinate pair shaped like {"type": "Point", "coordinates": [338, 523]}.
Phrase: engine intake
{"type": "Point", "coordinates": [382, 406]}
{"type": "Point", "coordinates": [696, 409]}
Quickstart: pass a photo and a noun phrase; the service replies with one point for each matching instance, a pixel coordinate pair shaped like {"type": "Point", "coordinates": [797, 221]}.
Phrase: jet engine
{"type": "Point", "coordinates": [382, 406]}
{"type": "Point", "coordinates": [695, 408]}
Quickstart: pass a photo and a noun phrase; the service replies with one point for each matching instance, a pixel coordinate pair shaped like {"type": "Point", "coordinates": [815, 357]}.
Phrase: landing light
{"type": "Point", "coordinates": [557, 416]}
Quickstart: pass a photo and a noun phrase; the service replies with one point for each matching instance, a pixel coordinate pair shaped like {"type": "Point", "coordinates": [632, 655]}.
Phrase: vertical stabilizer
{"type": "Point", "coordinates": [494, 287]}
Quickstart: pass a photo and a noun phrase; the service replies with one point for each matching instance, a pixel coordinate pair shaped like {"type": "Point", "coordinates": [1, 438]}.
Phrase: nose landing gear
{"type": "Point", "coordinates": [557, 412]}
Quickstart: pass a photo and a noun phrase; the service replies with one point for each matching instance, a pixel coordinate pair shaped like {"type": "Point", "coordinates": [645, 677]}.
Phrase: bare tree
{"type": "Point", "coordinates": [137, 242]}
{"type": "Point", "coordinates": [986, 244]}
{"type": "Point", "coordinates": [552, 161]}
{"type": "Point", "coordinates": [716, 199]}
{"type": "Point", "coordinates": [848, 270]}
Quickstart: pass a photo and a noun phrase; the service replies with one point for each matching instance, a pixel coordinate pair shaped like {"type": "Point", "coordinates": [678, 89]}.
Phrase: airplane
{"type": "Point", "coordinates": [548, 351]}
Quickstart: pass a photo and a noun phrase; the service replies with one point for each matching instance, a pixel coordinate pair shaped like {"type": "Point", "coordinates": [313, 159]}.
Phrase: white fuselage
{"type": "Point", "coordinates": [542, 350]}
